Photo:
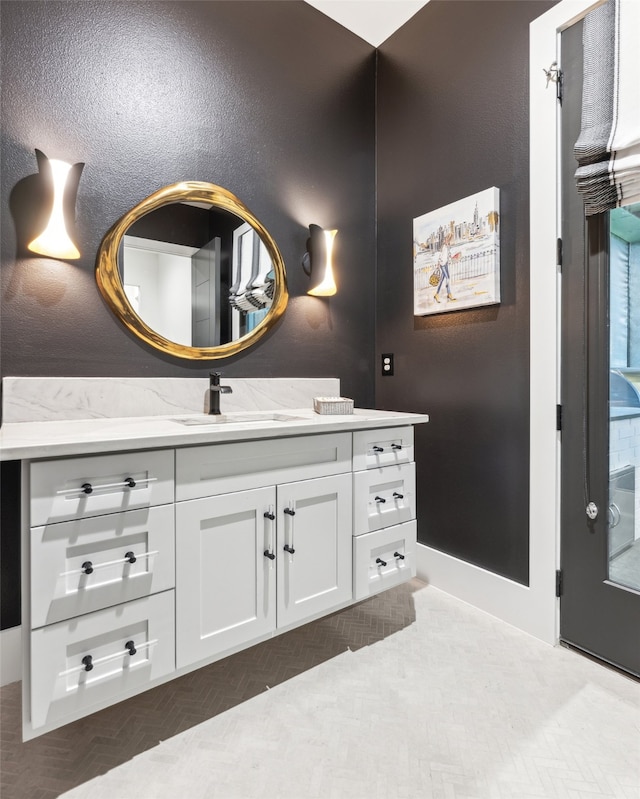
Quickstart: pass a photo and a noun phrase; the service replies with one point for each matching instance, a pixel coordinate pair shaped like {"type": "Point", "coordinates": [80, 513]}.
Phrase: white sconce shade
{"type": "Point", "coordinates": [327, 286]}
{"type": "Point", "coordinates": [54, 240]}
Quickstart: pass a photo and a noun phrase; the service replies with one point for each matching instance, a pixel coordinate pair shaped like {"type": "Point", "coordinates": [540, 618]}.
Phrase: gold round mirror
{"type": "Point", "coordinates": [191, 271]}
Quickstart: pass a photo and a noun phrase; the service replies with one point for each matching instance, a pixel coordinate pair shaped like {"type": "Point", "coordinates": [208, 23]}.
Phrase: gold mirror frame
{"type": "Point", "coordinates": [112, 289]}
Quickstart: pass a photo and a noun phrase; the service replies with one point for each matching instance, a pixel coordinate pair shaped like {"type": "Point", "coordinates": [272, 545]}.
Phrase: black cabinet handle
{"type": "Point", "coordinates": [129, 556]}
{"type": "Point", "coordinates": [378, 449]}
{"type": "Point", "coordinates": [290, 511]}
{"type": "Point", "coordinates": [397, 495]}
{"type": "Point", "coordinates": [396, 446]}
{"type": "Point", "coordinates": [289, 549]}
{"type": "Point", "coordinates": [87, 662]}
{"type": "Point", "coordinates": [87, 488]}
{"type": "Point", "coordinates": [130, 482]}
{"type": "Point", "coordinates": [269, 555]}
{"type": "Point", "coordinates": [380, 499]}
{"type": "Point", "coordinates": [131, 648]}
{"type": "Point", "coordinates": [87, 567]}
{"type": "Point", "coordinates": [381, 562]}
{"type": "Point", "coordinates": [398, 555]}
{"type": "Point", "coordinates": [268, 515]}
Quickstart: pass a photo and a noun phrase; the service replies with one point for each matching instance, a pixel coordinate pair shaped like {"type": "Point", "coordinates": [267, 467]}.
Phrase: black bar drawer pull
{"type": "Point", "coordinates": [380, 499]}
{"type": "Point", "coordinates": [129, 557]}
{"type": "Point", "coordinates": [396, 446]}
{"type": "Point", "coordinates": [88, 661]}
{"type": "Point", "coordinates": [87, 488]}
{"type": "Point", "coordinates": [397, 495]}
{"type": "Point", "coordinates": [378, 449]}
{"type": "Point", "coordinates": [289, 549]}
{"type": "Point", "coordinates": [290, 511]}
{"type": "Point", "coordinates": [398, 555]}
{"type": "Point", "coordinates": [269, 515]}
{"type": "Point", "coordinates": [269, 555]}
{"type": "Point", "coordinates": [381, 562]}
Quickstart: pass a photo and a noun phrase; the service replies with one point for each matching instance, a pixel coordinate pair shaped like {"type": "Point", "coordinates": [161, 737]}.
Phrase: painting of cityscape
{"type": "Point", "coordinates": [456, 255]}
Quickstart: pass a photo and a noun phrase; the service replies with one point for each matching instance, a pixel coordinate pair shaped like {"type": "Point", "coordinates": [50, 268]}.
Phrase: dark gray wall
{"type": "Point", "coordinates": [453, 120]}
{"type": "Point", "coordinates": [271, 100]}
{"type": "Point", "coordinates": [276, 102]}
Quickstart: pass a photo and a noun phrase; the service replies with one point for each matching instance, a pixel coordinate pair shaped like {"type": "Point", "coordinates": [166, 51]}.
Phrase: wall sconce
{"type": "Point", "coordinates": [55, 240]}
{"type": "Point", "coordinates": [318, 258]}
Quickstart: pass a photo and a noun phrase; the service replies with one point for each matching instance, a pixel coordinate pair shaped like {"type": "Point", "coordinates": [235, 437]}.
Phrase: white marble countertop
{"type": "Point", "coordinates": [50, 439]}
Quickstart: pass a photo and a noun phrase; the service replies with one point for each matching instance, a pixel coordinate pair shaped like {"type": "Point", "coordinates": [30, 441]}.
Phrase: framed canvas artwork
{"type": "Point", "coordinates": [456, 255]}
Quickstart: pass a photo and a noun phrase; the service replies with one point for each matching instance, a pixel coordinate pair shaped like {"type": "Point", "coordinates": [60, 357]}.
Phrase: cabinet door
{"type": "Point", "coordinates": [225, 581]}
{"type": "Point", "coordinates": [314, 547]}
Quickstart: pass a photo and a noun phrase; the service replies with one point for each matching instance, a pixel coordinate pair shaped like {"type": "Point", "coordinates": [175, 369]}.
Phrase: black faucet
{"type": "Point", "coordinates": [215, 389]}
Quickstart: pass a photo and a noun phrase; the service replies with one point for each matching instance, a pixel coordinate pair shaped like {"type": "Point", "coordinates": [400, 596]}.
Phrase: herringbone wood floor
{"type": "Point", "coordinates": [409, 695]}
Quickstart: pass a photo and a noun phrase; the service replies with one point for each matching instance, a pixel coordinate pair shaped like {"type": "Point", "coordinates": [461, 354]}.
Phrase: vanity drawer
{"type": "Point", "coordinates": [383, 559]}
{"type": "Point", "coordinates": [383, 497]}
{"type": "Point", "coordinates": [62, 687]}
{"type": "Point", "coordinates": [86, 564]}
{"type": "Point", "coordinates": [388, 446]}
{"type": "Point", "coordinates": [226, 468]}
{"type": "Point", "coordinates": [74, 488]}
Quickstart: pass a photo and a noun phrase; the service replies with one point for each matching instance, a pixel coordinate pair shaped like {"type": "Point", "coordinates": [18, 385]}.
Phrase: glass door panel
{"type": "Point", "coordinates": [623, 518]}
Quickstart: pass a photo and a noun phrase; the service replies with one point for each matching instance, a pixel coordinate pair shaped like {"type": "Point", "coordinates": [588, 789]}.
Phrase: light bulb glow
{"type": "Point", "coordinates": [327, 287]}
{"type": "Point", "coordinates": [54, 240]}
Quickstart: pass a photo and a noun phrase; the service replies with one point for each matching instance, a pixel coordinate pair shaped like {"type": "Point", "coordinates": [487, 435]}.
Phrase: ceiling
{"type": "Point", "coordinates": [371, 20]}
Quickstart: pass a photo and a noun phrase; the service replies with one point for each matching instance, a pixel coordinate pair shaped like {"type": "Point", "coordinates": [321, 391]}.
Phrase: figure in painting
{"type": "Point", "coordinates": [444, 259]}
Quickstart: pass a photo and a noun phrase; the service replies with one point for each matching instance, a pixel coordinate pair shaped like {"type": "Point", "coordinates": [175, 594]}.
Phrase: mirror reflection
{"type": "Point", "coordinates": [192, 272]}
{"type": "Point", "coordinates": [198, 275]}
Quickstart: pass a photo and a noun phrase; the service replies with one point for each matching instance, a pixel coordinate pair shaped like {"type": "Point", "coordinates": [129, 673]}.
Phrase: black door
{"type": "Point", "coordinates": [600, 379]}
{"type": "Point", "coordinates": [205, 295]}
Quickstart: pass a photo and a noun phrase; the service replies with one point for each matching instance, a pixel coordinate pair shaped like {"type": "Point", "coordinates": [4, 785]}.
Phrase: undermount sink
{"type": "Point", "coordinates": [239, 418]}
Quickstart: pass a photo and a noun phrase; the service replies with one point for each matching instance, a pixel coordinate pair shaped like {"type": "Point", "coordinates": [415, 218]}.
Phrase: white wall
{"type": "Point", "coordinates": [165, 291]}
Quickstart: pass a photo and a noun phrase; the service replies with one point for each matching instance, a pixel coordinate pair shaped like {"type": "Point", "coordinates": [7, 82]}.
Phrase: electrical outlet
{"type": "Point", "coordinates": [387, 364]}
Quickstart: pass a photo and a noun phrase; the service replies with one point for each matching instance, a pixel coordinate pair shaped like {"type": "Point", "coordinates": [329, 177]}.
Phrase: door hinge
{"type": "Point", "coordinates": [559, 253]}
{"type": "Point", "coordinates": [558, 418]}
{"type": "Point", "coordinates": [559, 86]}
{"type": "Point", "coordinates": [559, 583]}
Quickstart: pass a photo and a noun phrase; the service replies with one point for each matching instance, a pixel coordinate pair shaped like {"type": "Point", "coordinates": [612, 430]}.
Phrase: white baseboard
{"type": "Point", "coordinates": [505, 599]}
{"type": "Point", "coordinates": [10, 655]}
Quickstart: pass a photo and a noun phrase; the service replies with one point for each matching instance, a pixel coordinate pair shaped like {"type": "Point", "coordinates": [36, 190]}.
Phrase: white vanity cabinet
{"type": "Point", "coordinates": [384, 510]}
{"type": "Point", "coordinates": [254, 561]}
{"type": "Point", "coordinates": [141, 566]}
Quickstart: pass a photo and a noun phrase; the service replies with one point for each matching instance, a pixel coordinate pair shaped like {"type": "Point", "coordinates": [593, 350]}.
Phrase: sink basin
{"type": "Point", "coordinates": [238, 418]}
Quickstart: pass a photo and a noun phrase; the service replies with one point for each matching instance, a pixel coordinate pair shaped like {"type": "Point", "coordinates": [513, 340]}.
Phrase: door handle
{"type": "Point", "coordinates": [290, 511]}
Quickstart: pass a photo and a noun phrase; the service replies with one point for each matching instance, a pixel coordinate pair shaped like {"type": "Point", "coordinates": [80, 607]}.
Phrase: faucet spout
{"type": "Point", "coordinates": [215, 389]}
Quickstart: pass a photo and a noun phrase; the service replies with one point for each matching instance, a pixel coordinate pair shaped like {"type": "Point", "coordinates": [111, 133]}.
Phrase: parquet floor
{"type": "Point", "coordinates": [409, 695]}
